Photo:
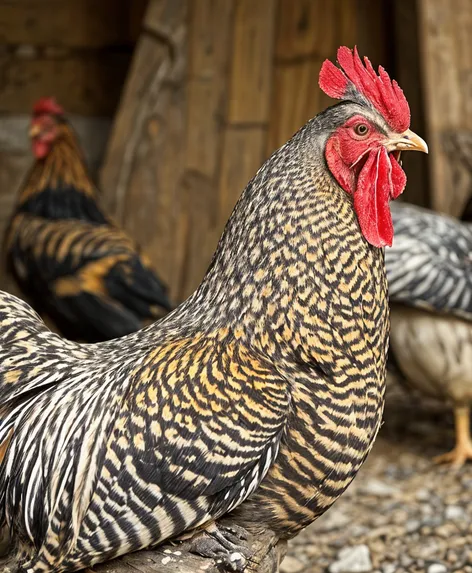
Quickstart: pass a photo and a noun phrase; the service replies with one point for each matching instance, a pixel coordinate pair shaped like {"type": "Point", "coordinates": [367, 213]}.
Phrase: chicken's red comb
{"type": "Point", "coordinates": [47, 105]}
{"type": "Point", "coordinates": [380, 91]}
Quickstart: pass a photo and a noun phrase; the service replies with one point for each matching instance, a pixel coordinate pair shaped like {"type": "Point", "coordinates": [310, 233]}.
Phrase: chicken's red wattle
{"type": "Point", "coordinates": [380, 180]}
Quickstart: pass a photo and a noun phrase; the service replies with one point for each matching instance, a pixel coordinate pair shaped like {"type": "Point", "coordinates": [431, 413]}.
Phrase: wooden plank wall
{"type": "Point", "coordinates": [215, 86]}
{"type": "Point", "coordinates": [80, 49]}
{"type": "Point", "coordinates": [76, 50]}
{"type": "Point", "coordinates": [446, 45]}
{"type": "Point", "coordinates": [408, 72]}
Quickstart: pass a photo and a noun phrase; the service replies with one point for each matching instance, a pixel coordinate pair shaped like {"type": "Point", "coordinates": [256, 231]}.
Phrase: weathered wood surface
{"type": "Point", "coordinates": [193, 84]}
{"type": "Point", "coordinates": [303, 41]}
{"type": "Point", "coordinates": [143, 173]}
{"type": "Point", "coordinates": [85, 83]}
{"type": "Point", "coordinates": [264, 555]}
{"type": "Point", "coordinates": [408, 73]}
{"type": "Point", "coordinates": [75, 23]}
{"type": "Point", "coordinates": [78, 51]}
{"type": "Point", "coordinates": [215, 86]}
{"type": "Point", "coordinates": [446, 45]}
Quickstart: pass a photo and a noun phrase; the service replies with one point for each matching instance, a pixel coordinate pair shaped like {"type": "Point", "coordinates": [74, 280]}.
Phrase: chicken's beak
{"type": "Point", "coordinates": [407, 141]}
{"type": "Point", "coordinates": [34, 131]}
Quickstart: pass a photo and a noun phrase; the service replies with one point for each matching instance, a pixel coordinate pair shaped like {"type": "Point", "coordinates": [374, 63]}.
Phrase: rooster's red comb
{"type": "Point", "coordinates": [47, 105]}
{"type": "Point", "coordinates": [358, 81]}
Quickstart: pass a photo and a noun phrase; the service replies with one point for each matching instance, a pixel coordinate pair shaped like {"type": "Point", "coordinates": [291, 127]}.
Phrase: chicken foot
{"type": "Point", "coordinates": [462, 451]}
{"type": "Point", "coordinates": [223, 543]}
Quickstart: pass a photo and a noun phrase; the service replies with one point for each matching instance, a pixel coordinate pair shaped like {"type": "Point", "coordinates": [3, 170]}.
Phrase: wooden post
{"type": "Point", "coordinates": [446, 46]}
{"type": "Point", "coordinates": [409, 73]}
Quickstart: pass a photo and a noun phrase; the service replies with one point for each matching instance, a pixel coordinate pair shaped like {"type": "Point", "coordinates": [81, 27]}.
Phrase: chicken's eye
{"type": "Point", "coordinates": [361, 129]}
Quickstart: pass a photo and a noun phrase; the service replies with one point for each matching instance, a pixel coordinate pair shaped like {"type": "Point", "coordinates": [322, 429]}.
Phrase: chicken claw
{"type": "Point", "coordinates": [456, 457]}
{"type": "Point", "coordinates": [224, 544]}
{"type": "Point", "coordinates": [463, 448]}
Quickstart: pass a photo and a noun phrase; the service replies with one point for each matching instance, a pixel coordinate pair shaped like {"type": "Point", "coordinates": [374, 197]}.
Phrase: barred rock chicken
{"type": "Point", "coordinates": [69, 260]}
{"type": "Point", "coordinates": [259, 396]}
{"type": "Point", "coordinates": [429, 271]}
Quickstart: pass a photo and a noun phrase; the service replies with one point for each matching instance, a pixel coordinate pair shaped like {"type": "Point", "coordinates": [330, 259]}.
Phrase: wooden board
{"type": "Point", "coordinates": [308, 32]}
{"type": "Point", "coordinates": [243, 154]}
{"type": "Point", "coordinates": [71, 23]}
{"type": "Point", "coordinates": [209, 51]}
{"type": "Point", "coordinates": [305, 29]}
{"type": "Point", "coordinates": [88, 84]}
{"type": "Point", "coordinates": [296, 99]}
{"type": "Point", "coordinates": [446, 46]}
{"type": "Point", "coordinates": [192, 86]}
{"type": "Point", "coordinates": [251, 75]}
{"type": "Point", "coordinates": [408, 74]}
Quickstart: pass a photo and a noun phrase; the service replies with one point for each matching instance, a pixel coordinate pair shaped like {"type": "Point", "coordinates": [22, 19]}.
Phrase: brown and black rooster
{"type": "Point", "coordinates": [261, 395]}
{"type": "Point", "coordinates": [67, 257]}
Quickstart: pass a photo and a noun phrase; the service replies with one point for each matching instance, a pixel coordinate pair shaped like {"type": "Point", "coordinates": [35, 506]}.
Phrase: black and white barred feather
{"type": "Point", "coordinates": [430, 262]}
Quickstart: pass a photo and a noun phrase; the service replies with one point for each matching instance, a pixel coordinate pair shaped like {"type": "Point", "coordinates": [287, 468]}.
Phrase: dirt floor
{"type": "Point", "coordinates": [402, 513]}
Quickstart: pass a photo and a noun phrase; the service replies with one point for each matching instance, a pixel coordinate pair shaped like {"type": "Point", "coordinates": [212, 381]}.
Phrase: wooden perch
{"type": "Point", "coordinates": [264, 556]}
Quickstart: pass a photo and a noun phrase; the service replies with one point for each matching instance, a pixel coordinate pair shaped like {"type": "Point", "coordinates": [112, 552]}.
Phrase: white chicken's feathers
{"type": "Point", "coordinates": [430, 262]}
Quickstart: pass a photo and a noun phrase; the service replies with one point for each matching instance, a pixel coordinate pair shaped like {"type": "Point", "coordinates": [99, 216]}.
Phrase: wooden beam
{"type": "Point", "coordinates": [408, 71]}
{"type": "Point", "coordinates": [250, 94]}
{"type": "Point", "coordinates": [209, 56]}
{"type": "Point", "coordinates": [75, 23]}
{"type": "Point", "coordinates": [87, 84]}
{"type": "Point", "coordinates": [251, 69]}
{"type": "Point", "coordinates": [296, 99]}
{"type": "Point", "coordinates": [445, 49]}
{"type": "Point", "coordinates": [144, 163]}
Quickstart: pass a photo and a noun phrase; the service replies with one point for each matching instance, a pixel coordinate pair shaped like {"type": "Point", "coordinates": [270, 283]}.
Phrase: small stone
{"type": "Point", "coordinates": [412, 525]}
{"type": "Point", "coordinates": [445, 531]}
{"type": "Point", "coordinates": [291, 565]}
{"type": "Point", "coordinates": [437, 568]}
{"type": "Point", "coordinates": [427, 509]}
{"type": "Point", "coordinates": [389, 568]}
{"type": "Point", "coordinates": [452, 557]}
{"type": "Point", "coordinates": [467, 483]}
{"type": "Point", "coordinates": [359, 530]}
{"type": "Point", "coordinates": [432, 521]}
{"type": "Point", "coordinates": [406, 561]}
{"type": "Point", "coordinates": [454, 513]}
{"type": "Point", "coordinates": [399, 517]}
{"type": "Point", "coordinates": [333, 519]}
{"type": "Point", "coordinates": [379, 488]}
{"type": "Point", "coordinates": [352, 560]}
{"type": "Point", "coordinates": [423, 495]}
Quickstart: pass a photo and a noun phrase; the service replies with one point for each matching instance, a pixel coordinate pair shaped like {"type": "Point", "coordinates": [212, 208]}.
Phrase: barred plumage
{"type": "Point", "coordinates": [430, 261]}
{"type": "Point", "coordinates": [259, 396]}
{"type": "Point", "coordinates": [430, 287]}
{"type": "Point", "coordinates": [69, 259]}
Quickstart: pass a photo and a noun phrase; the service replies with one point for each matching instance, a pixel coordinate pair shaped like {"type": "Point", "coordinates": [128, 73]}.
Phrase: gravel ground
{"type": "Point", "coordinates": [402, 512]}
